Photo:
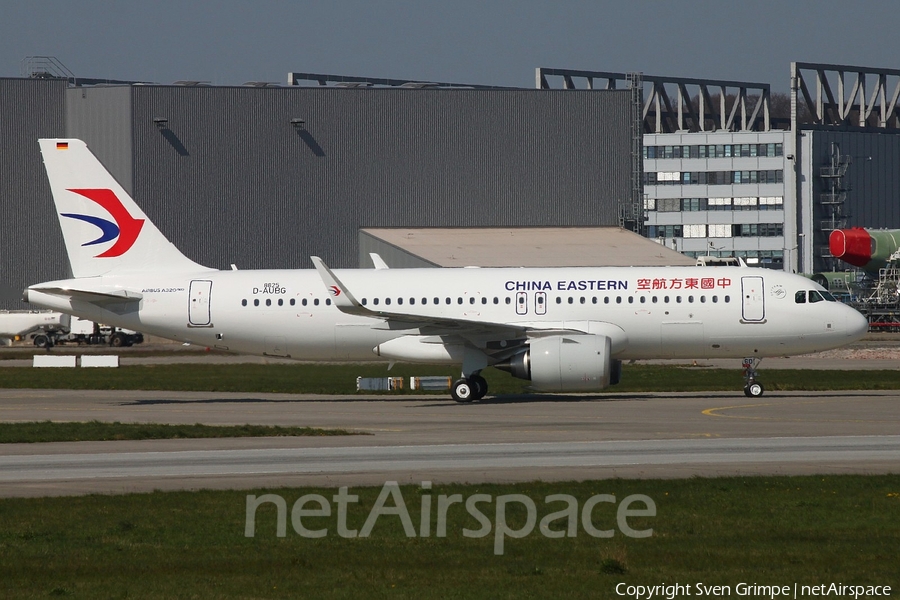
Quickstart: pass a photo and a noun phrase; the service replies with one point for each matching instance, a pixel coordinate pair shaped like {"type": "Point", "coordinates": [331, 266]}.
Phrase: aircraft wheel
{"type": "Point", "coordinates": [754, 389]}
{"type": "Point", "coordinates": [481, 387]}
{"type": "Point", "coordinates": [462, 391]}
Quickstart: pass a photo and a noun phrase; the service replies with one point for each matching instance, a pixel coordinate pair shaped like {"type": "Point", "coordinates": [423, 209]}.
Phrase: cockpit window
{"type": "Point", "coordinates": [814, 296]}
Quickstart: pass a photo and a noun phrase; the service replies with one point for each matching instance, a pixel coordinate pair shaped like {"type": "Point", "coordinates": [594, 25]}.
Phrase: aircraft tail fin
{"type": "Point", "coordinates": [105, 232]}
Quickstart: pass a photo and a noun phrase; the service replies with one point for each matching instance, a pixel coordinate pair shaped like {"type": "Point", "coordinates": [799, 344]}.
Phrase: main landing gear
{"type": "Point", "coordinates": [752, 388]}
{"type": "Point", "coordinates": [472, 388]}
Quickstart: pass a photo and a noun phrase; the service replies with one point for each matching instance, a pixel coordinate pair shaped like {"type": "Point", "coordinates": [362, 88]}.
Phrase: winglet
{"type": "Point", "coordinates": [378, 261]}
{"type": "Point", "coordinates": [340, 295]}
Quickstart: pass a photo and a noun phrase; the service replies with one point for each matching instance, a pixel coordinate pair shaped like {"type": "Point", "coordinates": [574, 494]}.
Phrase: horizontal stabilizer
{"type": "Point", "coordinates": [92, 296]}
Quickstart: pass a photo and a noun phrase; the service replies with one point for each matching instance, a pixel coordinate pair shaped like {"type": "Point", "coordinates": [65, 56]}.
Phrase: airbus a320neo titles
{"type": "Point", "coordinates": [565, 329]}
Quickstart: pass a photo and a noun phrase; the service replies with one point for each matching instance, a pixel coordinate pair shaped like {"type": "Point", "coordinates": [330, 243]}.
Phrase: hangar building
{"type": "Point", "coordinates": [263, 176]}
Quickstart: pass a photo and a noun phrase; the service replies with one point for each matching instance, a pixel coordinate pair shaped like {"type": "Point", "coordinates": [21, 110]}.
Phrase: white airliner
{"type": "Point", "coordinates": [565, 329]}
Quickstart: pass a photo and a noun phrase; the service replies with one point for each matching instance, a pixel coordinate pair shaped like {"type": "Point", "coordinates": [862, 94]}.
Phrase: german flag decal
{"type": "Point", "coordinates": [62, 145]}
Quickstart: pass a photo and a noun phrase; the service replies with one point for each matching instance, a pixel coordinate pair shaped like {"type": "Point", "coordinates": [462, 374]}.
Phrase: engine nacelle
{"type": "Point", "coordinates": [566, 363]}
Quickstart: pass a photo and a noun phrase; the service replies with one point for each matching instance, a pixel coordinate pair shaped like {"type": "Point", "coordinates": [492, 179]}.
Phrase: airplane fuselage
{"type": "Point", "coordinates": [649, 312]}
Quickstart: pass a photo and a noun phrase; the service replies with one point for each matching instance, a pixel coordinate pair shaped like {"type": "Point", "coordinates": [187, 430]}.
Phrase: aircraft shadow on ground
{"type": "Point", "coordinates": [537, 398]}
{"type": "Point", "coordinates": [431, 402]}
{"type": "Point", "coordinates": [440, 401]}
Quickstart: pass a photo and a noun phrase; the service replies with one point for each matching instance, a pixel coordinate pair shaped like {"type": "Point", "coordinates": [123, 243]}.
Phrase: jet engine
{"type": "Point", "coordinates": [566, 363]}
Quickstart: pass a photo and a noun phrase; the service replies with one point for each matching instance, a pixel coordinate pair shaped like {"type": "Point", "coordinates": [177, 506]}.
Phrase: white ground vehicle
{"type": "Point", "coordinates": [83, 331]}
{"type": "Point", "coordinates": [48, 328]}
{"type": "Point", "coordinates": [19, 324]}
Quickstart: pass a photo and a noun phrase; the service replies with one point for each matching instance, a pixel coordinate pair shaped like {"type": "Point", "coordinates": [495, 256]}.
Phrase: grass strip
{"type": "Point", "coordinates": [98, 431]}
{"type": "Point", "coordinates": [809, 530]}
{"type": "Point", "coordinates": [341, 379]}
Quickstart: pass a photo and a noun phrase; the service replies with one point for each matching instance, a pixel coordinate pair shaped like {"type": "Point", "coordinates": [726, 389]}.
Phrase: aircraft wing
{"type": "Point", "coordinates": [480, 333]}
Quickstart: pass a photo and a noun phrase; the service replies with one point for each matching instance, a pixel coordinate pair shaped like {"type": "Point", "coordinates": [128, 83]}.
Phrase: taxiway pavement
{"type": "Point", "coordinates": [412, 439]}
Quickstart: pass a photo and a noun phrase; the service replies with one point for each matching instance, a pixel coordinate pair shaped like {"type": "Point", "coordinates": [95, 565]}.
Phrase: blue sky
{"type": "Point", "coordinates": [486, 42]}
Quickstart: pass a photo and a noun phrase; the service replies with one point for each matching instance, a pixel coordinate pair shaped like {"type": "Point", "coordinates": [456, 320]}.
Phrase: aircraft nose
{"type": "Point", "coordinates": [857, 324]}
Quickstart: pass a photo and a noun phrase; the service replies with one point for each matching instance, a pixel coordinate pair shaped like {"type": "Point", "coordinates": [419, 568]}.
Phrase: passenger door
{"type": "Point", "coordinates": [753, 308]}
{"type": "Point", "coordinates": [198, 303]}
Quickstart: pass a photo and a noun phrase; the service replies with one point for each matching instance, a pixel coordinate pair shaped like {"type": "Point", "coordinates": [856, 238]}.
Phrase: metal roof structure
{"type": "Point", "coordinates": [713, 105]}
{"type": "Point", "coordinates": [841, 98]}
{"type": "Point", "coordinates": [517, 247]}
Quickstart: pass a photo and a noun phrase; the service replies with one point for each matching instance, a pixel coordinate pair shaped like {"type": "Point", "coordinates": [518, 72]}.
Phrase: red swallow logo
{"type": "Point", "coordinates": [335, 290]}
{"type": "Point", "coordinates": [125, 229]}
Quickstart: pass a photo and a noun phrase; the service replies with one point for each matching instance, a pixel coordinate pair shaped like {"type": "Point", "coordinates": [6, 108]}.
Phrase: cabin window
{"type": "Point", "coordinates": [666, 299]}
{"type": "Point", "coordinates": [363, 301]}
{"type": "Point", "coordinates": [606, 300]}
{"type": "Point", "coordinates": [472, 300]}
{"type": "Point", "coordinates": [303, 302]}
{"type": "Point", "coordinates": [582, 299]}
{"type": "Point", "coordinates": [328, 302]}
{"type": "Point", "coordinates": [387, 301]}
{"type": "Point", "coordinates": [256, 302]}
{"type": "Point", "coordinates": [690, 298]}
{"type": "Point", "coordinates": [293, 301]}
{"type": "Point", "coordinates": [375, 301]}
{"type": "Point", "coordinates": [630, 299]}
{"type": "Point", "coordinates": [703, 299]}
{"type": "Point", "coordinates": [268, 302]}
{"type": "Point", "coordinates": [399, 300]}
{"type": "Point", "coordinates": [715, 299]}
{"type": "Point", "coordinates": [484, 300]}
{"type": "Point", "coordinates": [727, 299]}
{"type": "Point", "coordinates": [448, 300]}
{"type": "Point", "coordinates": [459, 300]}
{"type": "Point", "coordinates": [558, 300]}
{"type": "Point", "coordinates": [594, 300]}
{"type": "Point", "coordinates": [618, 299]}
{"type": "Point", "coordinates": [316, 301]}
{"type": "Point", "coordinates": [643, 299]}
{"type": "Point", "coordinates": [508, 300]}
{"type": "Point", "coordinates": [412, 300]}
{"type": "Point", "coordinates": [244, 302]}
{"type": "Point", "coordinates": [654, 299]}
{"type": "Point", "coordinates": [571, 300]}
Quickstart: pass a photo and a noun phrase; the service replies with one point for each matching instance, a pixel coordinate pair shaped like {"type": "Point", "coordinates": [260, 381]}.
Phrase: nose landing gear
{"type": "Point", "coordinates": [752, 388]}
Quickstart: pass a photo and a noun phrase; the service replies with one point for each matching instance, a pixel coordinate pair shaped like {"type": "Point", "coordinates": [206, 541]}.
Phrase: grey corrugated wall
{"type": "Point", "coordinates": [873, 176]}
{"type": "Point", "coordinates": [231, 181]}
{"type": "Point", "coordinates": [101, 116]}
{"type": "Point", "coordinates": [31, 246]}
